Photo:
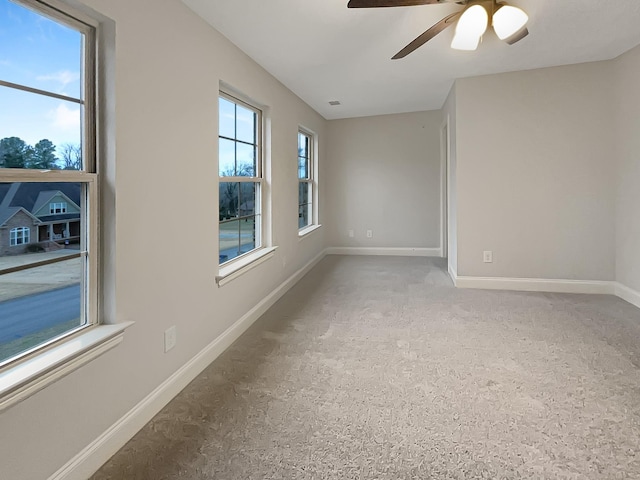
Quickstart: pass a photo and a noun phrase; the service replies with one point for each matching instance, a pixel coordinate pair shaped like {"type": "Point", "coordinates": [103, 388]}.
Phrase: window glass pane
{"type": "Point", "coordinates": [229, 240]}
{"type": "Point", "coordinates": [303, 145]}
{"type": "Point", "coordinates": [229, 200]}
{"type": "Point", "coordinates": [303, 216]}
{"type": "Point", "coordinates": [227, 114]}
{"type": "Point", "coordinates": [38, 132]}
{"type": "Point", "coordinates": [247, 199]}
{"type": "Point", "coordinates": [40, 303]}
{"type": "Point", "coordinates": [303, 193]}
{"type": "Point", "coordinates": [38, 52]}
{"type": "Point", "coordinates": [245, 160]}
{"type": "Point", "coordinates": [303, 155]}
{"type": "Point", "coordinates": [245, 124]}
{"type": "Point", "coordinates": [303, 168]}
{"type": "Point", "coordinates": [226, 157]}
{"type": "Point", "coordinates": [239, 202]}
{"type": "Point", "coordinates": [247, 234]}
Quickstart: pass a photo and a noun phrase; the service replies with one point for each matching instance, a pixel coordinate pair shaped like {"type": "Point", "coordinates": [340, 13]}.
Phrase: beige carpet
{"type": "Point", "coordinates": [377, 368]}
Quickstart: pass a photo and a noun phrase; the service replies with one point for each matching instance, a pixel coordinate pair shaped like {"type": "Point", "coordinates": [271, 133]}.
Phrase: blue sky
{"type": "Point", "coordinates": [235, 122]}
{"type": "Point", "coordinates": [40, 53]}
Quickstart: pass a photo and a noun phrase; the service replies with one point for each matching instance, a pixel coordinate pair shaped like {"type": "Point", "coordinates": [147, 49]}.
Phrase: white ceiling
{"type": "Point", "coordinates": [323, 51]}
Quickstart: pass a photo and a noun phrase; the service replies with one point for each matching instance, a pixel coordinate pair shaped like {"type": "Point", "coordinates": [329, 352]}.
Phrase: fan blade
{"type": "Point", "coordinates": [393, 3]}
{"type": "Point", "coordinates": [428, 35]}
{"type": "Point", "coordinates": [516, 37]}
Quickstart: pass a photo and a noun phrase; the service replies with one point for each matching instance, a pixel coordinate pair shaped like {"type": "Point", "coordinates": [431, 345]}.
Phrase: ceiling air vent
{"type": "Point", "coordinates": [333, 103]}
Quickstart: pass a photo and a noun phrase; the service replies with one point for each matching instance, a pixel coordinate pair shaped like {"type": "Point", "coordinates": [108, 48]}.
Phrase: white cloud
{"type": "Point", "coordinates": [65, 118]}
{"type": "Point", "coordinates": [63, 77]}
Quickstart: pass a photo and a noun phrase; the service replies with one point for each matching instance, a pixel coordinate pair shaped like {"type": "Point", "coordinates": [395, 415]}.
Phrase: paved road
{"type": "Point", "coordinates": [26, 315]}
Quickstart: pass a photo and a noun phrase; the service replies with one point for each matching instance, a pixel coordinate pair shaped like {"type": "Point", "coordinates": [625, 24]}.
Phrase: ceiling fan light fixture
{"type": "Point", "coordinates": [465, 42]}
{"type": "Point", "coordinates": [474, 21]}
{"type": "Point", "coordinates": [470, 28]}
{"type": "Point", "coordinates": [508, 21]}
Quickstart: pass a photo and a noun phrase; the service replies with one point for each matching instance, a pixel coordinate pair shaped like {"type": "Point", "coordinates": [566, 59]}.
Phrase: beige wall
{"type": "Point", "coordinates": [534, 179]}
{"type": "Point", "coordinates": [536, 173]}
{"type": "Point", "coordinates": [627, 123]}
{"type": "Point", "coordinates": [384, 176]}
{"type": "Point", "coordinates": [168, 67]}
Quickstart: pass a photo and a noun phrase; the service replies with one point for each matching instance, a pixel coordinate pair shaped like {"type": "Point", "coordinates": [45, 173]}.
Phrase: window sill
{"type": "Point", "coordinates": [26, 378]}
{"type": "Point", "coordinates": [243, 265]}
{"type": "Point", "coordinates": [307, 230]}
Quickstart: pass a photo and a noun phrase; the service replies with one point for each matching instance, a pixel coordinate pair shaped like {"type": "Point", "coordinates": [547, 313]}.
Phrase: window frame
{"type": "Point", "coordinates": [87, 176]}
{"type": "Point", "coordinates": [62, 206]}
{"type": "Point", "coordinates": [258, 180]}
{"type": "Point", "coordinates": [310, 180]}
{"type": "Point", "coordinates": [13, 236]}
{"type": "Point", "coordinates": [28, 375]}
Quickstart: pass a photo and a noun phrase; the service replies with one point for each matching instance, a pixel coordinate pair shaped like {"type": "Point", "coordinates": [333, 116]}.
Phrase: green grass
{"type": "Point", "coordinates": [19, 345]}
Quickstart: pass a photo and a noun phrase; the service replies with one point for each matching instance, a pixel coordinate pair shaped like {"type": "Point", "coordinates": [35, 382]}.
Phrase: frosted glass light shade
{"type": "Point", "coordinates": [473, 22]}
{"type": "Point", "coordinates": [465, 42]}
{"type": "Point", "coordinates": [508, 21]}
{"type": "Point", "coordinates": [471, 26]}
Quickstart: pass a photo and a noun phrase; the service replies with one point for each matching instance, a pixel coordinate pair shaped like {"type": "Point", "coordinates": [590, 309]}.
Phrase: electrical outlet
{"type": "Point", "coordinates": [369, 233]}
{"type": "Point", "coordinates": [351, 234]}
{"type": "Point", "coordinates": [170, 338]}
{"type": "Point", "coordinates": [487, 256]}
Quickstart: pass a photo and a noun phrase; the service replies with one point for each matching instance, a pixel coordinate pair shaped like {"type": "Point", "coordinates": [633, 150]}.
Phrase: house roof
{"type": "Point", "coordinates": [7, 213]}
{"type": "Point", "coordinates": [43, 199]}
{"type": "Point", "coordinates": [4, 188]}
{"type": "Point", "coordinates": [31, 196]}
{"type": "Point", "coordinates": [58, 218]}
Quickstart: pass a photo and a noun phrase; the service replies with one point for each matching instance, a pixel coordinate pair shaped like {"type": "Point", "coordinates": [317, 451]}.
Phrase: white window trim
{"type": "Point", "coordinates": [32, 375]}
{"type": "Point", "coordinates": [304, 232]}
{"type": "Point", "coordinates": [35, 371]}
{"type": "Point", "coordinates": [233, 268]}
{"type": "Point", "coordinates": [62, 206]}
{"type": "Point", "coordinates": [314, 222]}
{"type": "Point", "coordinates": [13, 238]}
{"type": "Point", "coordinates": [243, 264]}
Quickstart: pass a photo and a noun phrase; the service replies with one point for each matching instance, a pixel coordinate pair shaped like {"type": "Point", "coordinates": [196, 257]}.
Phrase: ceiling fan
{"type": "Point", "coordinates": [509, 23]}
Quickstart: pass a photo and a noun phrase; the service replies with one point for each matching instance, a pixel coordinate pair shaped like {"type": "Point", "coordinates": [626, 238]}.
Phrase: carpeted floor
{"type": "Point", "coordinates": [377, 368]}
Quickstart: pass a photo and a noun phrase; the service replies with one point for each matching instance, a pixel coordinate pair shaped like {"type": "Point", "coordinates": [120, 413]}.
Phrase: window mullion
{"type": "Point", "coordinates": [239, 221]}
{"type": "Point", "coordinates": [240, 179]}
{"type": "Point", "coordinates": [37, 91]}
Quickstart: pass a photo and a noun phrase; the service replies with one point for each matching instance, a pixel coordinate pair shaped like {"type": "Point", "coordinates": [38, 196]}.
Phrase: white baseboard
{"type": "Point", "coordinates": [393, 251]}
{"type": "Point", "coordinates": [94, 455]}
{"type": "Point", "coordinates": [627, 294]}
{"type": "Point", "coordinates": [547, 285]}
{"type": "Point", "coordinates": [453, 274]}
{"type": "Point", "coordinates": [536, 285]}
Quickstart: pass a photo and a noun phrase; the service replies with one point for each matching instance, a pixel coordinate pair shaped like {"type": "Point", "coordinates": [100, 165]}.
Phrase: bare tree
{"type": "Point", "coordinates": [229, 193]}
{"type": "Point", "coordinates": [71, 156]}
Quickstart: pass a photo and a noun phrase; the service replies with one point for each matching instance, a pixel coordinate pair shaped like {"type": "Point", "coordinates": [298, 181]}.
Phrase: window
{"type": "Point", "coordinates": [240, 178]}
{"type": "Point", "coordinates": [19, 236]}
{"type": "Point", "coordinates": [306, 184]}
{"type": "Point", "coordinates": [47, 148]}
{"type": "Point", "coordinates": [55, 208]}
